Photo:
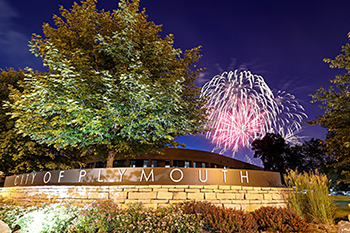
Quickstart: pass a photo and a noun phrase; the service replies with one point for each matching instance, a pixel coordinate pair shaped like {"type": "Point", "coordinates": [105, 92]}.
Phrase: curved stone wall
{"type": "Point", "coordinates": [236, 188]}
{"type": "Point", "coordinates": [239, 197]}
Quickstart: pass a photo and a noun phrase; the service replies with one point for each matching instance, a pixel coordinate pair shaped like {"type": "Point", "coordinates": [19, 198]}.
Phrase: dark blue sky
{"type": "Point", "coordinates": [284, 41]}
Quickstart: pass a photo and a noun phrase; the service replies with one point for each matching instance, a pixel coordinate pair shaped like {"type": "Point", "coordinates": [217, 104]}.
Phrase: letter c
{"type": "Point", "coordinates": [16, 183]}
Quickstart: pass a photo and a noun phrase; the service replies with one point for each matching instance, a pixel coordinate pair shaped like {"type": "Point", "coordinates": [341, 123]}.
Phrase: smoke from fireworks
{"type": "Point", "coordinates": [244, 108]}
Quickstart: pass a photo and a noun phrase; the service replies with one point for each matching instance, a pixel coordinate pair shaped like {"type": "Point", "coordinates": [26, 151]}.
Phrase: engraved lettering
{"type": "Point", "coordinates": [27, 178]}
{"type": "Point", "coordinates": [82, 174]}
{"type": "Point", "coordinates": [121, 174]}
{"type": "Point", "coordinates": [143, 174]}
{"type": "Point", "coordinates": [224, 173]}
{"type": "Point", "coordinates": [171, 175]}
{"type": "Point", "coordinates": [34, 175]}
{"type": "Point", "coordinates": [200, 176]}
{"type": "Point", "coordinates": [99, 176]}
{"type": "Point", "coordinates": [47, 177]}
{"type": "Point", "coordinates": [60, 176]}
{"type": "Point", "coordinates": [16, 183]}
{"type": "Point", "coordinates": [245, 176]}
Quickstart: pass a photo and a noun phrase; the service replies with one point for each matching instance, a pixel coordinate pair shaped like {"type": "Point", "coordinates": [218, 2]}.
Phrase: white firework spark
{"type": "Point", "coordinates": [244, 108]}
{"type": "Point", "coordinates": [289, 115]}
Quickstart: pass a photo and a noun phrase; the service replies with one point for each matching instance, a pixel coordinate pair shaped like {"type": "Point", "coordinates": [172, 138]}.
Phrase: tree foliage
{"type": "Point", "coordinates": [277, 155]}
{"type": "Point", "coordinates": [271, 149]}
{"type": "Point", "coordinates": [112, 82]}
{"type": "Point", "coordinates": [336, 103]}
{"type": "Point", "coordinates": [18, 153]}
{"type": "Point", "coordinates": [308, 157]}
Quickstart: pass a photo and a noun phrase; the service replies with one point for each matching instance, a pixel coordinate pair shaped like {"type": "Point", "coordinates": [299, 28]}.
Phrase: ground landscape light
{"type": "Point", "coordinates": [42, 220]}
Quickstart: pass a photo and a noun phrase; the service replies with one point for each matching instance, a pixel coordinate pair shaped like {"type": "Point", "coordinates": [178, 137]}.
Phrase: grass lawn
{"type": "Point", "coordinates": [343, 210]}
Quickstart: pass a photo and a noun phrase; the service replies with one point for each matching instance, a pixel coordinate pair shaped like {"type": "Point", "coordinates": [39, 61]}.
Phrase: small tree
{"type": "Point", "coordinates": [272, 150]}
{"type": "Point", "coordinates": [336, 119]}
{"type": "Point", "coordinates": [112, 82]}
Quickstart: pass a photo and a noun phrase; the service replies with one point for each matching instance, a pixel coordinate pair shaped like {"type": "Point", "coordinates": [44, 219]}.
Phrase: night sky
{"type": "Point", "coordinates": [284, 41]}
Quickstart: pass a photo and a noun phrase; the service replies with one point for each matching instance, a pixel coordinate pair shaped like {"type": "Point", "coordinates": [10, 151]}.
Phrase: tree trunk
{"type": "Point", "coordinates": [110, 158]}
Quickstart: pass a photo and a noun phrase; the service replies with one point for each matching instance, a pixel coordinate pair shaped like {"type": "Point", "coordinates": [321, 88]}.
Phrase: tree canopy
{"type": "Point", "coordinates": [335, 101]}
{"type": "Point", "coordinates": [271, 149]}
{"type": "Point", "coordinates": [309, 156]}
{"type": "Point", "coordinates": [18, 153]}
{"type": "Point", "coordinates": [112, 82]}
{"type": "Point", "coordinates": [277, 155]}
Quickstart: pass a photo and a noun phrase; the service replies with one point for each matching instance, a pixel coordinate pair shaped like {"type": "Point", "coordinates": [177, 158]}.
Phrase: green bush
{"type": "Point", "coordinates": [137, 218]}
{"type": "Point", "coordinates": [279, 219]}
{"type": "Point", "coordinates": [220, 219]}
{"type": "Point", "coordinates": [95, 217]}
{"type": "Point", "coordinates": [105, 216]}
{"type": "Point", "coordinates": [308, 195]}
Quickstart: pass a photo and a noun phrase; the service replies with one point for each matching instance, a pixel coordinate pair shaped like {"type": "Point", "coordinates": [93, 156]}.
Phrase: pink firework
{"type": "Point", "coordinates": [244, 108]}
{"type": "Point", "coordinates": [238, 126]}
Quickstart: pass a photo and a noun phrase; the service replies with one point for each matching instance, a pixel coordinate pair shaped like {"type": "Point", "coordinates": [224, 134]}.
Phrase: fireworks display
{"type": "Point", "coordinates": [243, 108]}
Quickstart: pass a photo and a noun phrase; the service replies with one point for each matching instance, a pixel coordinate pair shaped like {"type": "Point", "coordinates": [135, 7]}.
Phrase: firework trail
{"type": "Point", "coordinates": [244, 108]}
{"type": "Point", "coordinates": [289, 115]}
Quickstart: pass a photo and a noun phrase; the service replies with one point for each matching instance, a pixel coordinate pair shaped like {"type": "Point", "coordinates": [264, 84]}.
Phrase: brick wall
{"type": "Point", "coordinates": [239, 197]}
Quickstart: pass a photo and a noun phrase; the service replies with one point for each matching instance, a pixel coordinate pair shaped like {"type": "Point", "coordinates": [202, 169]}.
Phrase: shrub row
{"type": "Point", "coordinates": [220, 219]}
{"type": "Point", "coordinates": [106, 216]}
{"type": "Point", "coordinates": [280, 219]}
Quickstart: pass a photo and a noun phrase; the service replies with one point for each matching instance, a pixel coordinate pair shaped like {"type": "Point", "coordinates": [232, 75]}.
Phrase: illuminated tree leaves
{"type": "Point", "coordinates": [112, 81]}
{"type": "Point", "coordinates": [19, 153]}
{"type": "Point", "coordinates": [336, 102]}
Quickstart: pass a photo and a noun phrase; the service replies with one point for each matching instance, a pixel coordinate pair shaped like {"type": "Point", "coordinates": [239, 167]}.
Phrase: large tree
{"type": "Point", "coordinates": [113, 82]}
{"type": "Point", "coordinates": [18, 153]}
{"type": "Point", "coordinates": [335, 101]}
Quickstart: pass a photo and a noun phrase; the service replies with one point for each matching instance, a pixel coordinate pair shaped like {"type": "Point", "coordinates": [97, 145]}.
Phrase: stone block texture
{"type": "Point", "coordinates": [243, 198]}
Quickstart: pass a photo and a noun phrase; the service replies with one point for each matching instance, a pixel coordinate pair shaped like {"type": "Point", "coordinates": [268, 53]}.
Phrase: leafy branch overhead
{"type": "Point", "coordinates": [336, 102]}
{"type": "Point", "coordinates": [112, 81]}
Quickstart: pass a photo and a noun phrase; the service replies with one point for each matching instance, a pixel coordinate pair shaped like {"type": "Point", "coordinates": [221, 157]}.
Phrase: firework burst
{"type": "Point", "coordinates": [244, 108]}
